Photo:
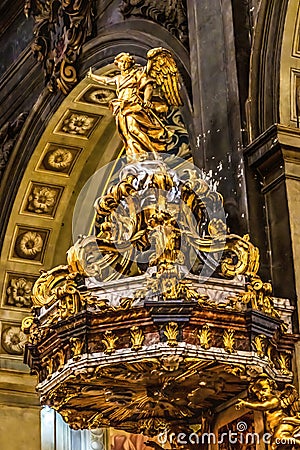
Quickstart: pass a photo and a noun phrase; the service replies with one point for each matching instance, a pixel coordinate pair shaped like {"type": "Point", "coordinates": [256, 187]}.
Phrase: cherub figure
{"type": "Point", "coordinates": [138, 112]}
{"type": "Point", "coordinates": [281, 411]}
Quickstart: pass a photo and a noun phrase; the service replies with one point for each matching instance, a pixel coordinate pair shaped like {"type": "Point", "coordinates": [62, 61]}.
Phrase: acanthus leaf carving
{"type": "Point", "coordinates": [61, 29]}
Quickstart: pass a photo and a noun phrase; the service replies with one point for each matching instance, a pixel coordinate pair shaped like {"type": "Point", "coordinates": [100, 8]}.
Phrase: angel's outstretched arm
{"type": "Point", "coordinates": [101, 78]}
{"type": "Point", "coordinates": [259, 406]}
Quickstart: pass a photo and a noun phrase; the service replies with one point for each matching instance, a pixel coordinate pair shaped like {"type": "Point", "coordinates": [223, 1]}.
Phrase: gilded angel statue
{"type": "Point", "coordinates": [144, 95]}
{"type": "Point", "coordinates": [282, 411]}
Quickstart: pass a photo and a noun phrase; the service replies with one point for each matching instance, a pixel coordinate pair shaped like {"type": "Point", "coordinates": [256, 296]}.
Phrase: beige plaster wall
{"type": "Point", "coordinates": [19, 412]}
{"type": "Point", "coordinates": [19, 428]}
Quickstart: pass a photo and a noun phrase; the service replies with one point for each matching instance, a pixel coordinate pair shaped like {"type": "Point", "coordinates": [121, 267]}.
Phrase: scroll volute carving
{"type": "Point", "coordinates": [61, 28]}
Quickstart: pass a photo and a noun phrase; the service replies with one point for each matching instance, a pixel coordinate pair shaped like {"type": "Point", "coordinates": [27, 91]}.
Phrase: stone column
{"type": "Point", "coordinates": [217, 122]}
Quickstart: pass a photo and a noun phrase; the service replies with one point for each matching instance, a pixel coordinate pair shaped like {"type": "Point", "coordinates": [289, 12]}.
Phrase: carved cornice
{"type": "Point", "coordinates": [270, 141]}
{"type": "Point", "coordinates": [272, 151]}
{"type": "Point", "coordinates": [61, 28]}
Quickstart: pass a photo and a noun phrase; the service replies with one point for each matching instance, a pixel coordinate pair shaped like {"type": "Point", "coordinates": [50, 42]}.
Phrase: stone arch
{"type": "Point", "coordinates": [263, 101]}
{"type": "Point", "coordinates": [289, 101]}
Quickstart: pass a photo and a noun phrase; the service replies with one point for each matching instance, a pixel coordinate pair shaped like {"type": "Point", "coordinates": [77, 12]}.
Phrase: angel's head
{"type": "Point", "coordinates": [263, 387]}
{"type": "Point", "coordinates": [124, 61]}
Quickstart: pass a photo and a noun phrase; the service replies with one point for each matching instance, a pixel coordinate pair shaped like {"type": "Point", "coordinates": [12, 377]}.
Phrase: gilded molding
{"type": "Point", "coordinates": [259, 343]}
{"type": "Point", "coordinates": [171, 332]}
{"type": "Point", "coordinates": [109, 341]}
{"type": "Point", "coordinates": [76, 347]}
{"type": "Point", "coordinates": [136, 337]}
{"type": "Point", "coordinates": [258, 294]}
{"type": "Point", "coordinates": [204, 336]}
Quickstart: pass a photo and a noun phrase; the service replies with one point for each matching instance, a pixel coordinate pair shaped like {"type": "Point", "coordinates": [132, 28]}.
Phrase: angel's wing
{"type": "Point", "coordinates": [162, 67]}
{"type": "Point", "coordinates": [290, 399]}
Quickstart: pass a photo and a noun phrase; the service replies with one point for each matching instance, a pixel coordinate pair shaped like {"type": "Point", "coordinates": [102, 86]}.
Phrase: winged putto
{"type": "Point", "coordinates": [281, 409]}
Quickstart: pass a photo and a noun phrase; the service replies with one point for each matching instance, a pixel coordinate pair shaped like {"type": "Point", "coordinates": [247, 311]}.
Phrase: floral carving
{"type": "Point", "coordinates": [19, 292]}
{"type": "Point", "coordinates": [42, 200]}
{"type": "Point", "coordinates": [30, 244]}
{"type": "Point", "coordinates": [13, 340]}
{"type": "Point", "coordinates": [100, 96]}
{"type": "Point", "coordinates": [61, 28]}
{"type": "Point", "coordinates": [78, 124]}
{"type": "Point", "coordinates": [60, 159]}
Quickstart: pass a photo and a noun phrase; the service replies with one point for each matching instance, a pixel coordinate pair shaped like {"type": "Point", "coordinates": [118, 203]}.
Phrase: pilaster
{"type": "Point", "coordinates": [275, 156]}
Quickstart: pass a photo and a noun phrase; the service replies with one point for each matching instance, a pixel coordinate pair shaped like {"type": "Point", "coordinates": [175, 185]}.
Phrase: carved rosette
{"type": "Point", "coordinates": [18, 292]}
{"type": "Point", "coordinates": [60, 159]}
{"type": "Point", "coordinates": [13, 340]}
{"type": "Point", "coordinates": [29, 244]}
{"type": "Point", "coordinates": [78, 124]}
{"type": "Point", "coordinates": [61, 29]}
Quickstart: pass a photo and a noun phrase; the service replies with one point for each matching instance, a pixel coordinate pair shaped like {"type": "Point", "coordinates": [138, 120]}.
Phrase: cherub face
{"type": "Point", "coordinates": [263, 391]}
